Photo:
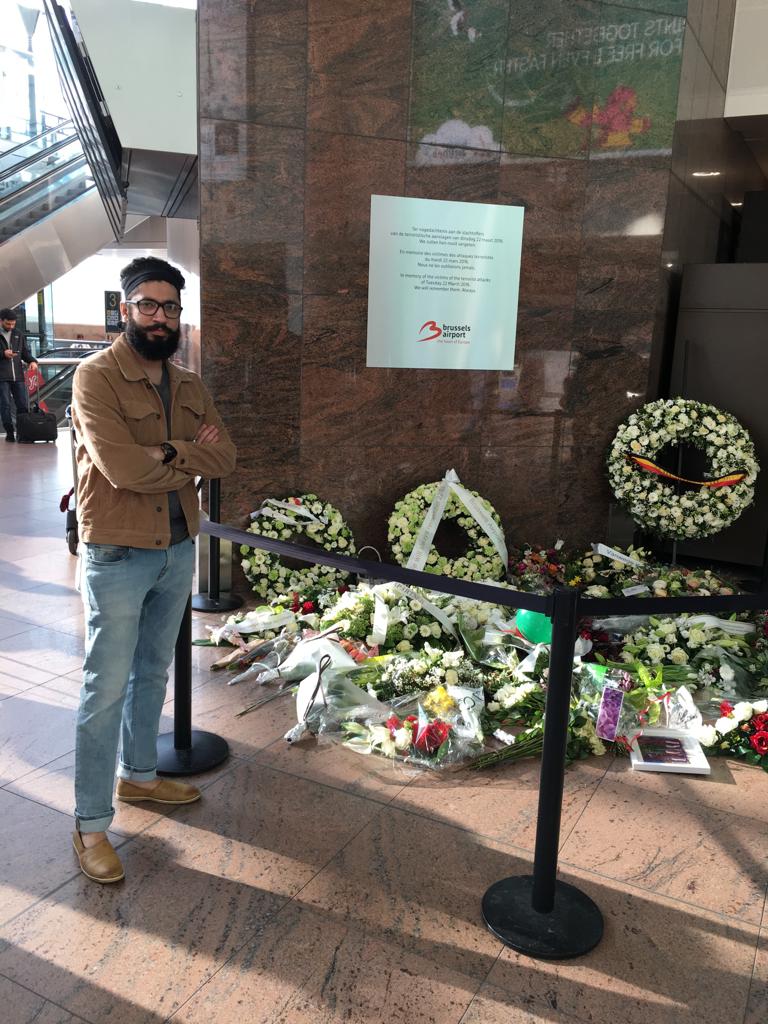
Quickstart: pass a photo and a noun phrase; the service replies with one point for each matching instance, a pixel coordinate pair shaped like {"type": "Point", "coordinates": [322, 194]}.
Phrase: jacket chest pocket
{"type": "Point", "coordinates": [144, 421]}
{"type": "Point", "coordinates": [188, 416]}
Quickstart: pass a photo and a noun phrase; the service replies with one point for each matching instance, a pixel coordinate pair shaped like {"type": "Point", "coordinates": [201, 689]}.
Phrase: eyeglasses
{"type": "Point", "coordinates": [148, 307]}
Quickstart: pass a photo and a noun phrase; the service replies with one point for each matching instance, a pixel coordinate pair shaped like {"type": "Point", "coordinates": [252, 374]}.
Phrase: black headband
{"type": "Point", "coordinates": [157, 273]}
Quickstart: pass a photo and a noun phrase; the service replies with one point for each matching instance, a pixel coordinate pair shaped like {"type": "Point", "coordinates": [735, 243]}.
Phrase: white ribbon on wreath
{"type": "Point", "coordinates": [270, 506]}
{"type": "Point", "coordinates": [450, 484]}
{"type": "Point", "coordinates": [381, 611]}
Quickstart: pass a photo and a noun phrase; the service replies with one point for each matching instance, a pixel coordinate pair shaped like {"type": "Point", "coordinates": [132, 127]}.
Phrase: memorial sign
{"type": "Point", "coordinates": [443, 284]}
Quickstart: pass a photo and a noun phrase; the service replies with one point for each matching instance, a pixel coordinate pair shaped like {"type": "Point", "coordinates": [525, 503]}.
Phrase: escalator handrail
{"type": "Point", "coordinates": [34, 138]}
{"type": "Point", "coordinates": [60, 171]}
{"type": "Point", "coordinates": [35, 157]}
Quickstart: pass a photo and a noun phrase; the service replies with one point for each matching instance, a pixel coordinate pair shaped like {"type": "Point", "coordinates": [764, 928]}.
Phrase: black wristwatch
{"type": "Point", "coordinates": [169, 452]}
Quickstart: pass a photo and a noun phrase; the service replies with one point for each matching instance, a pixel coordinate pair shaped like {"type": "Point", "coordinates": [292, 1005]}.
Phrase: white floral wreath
{"type": "Point", "coordinates": [640, 485]}
{"type": "Point", "coordinates": [288, 520]}
{"type": "Point", "coordinates": [480, 561]}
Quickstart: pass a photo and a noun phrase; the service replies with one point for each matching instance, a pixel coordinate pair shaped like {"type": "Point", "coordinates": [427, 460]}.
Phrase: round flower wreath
{"type": "Point", "coordinates": [648, 492]}
{"type": "Point", "coordinates": [480, 561]}
{"type": "Point", "coordinates": [317, 521]}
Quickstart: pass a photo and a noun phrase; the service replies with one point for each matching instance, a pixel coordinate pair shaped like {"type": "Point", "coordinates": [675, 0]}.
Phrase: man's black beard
{"type": "Point", "coordinates": [152, 348]}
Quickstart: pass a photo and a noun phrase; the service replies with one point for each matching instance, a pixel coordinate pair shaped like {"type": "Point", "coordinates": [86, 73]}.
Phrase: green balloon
{"type": "Point", "coordinates": [535, 627]}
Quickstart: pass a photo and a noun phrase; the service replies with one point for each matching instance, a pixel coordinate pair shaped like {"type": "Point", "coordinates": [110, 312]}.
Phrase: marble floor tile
{"type": "Point", "coordinates": [8, 686]}
{"type": "Point", "coordinates": [305, 968]}
{"type": "Point", "coordinates": [673, 847]}
{"type": "Point", "coordinates": [57, 653]}
{"type": "Point", "coordinates": [36, 726]}
{"type": "Point", "coordinates": [333, 765]}
{"type": "Point", "coordinates": [215, 706]}
{"type": "Point", "coordinates": [70, 684]}
{"type": "Point", "coordinates": [418, 883]}
{"type": "Point", "coordinates": [198, 885]}
{"type": "Point", "coordinates": [53, 786]}
{"type": "Point", "coordinates": [24, 676]}
{"type": "Point", "coordinates": [11, 626]}
{"type": "Point", "coordinates": [501, 803]}
{"type": "Point", "coordinates": [37, 853]}
{"type": "Point", "coordinates": [46, 605]}
{"type": "Point", "coordinates": [659, 962]}
{"type": "Point", "coordinates": [733, 787]}
{"type": "Point", "coordinates": [24, 1007]}
{"type": "Point", "coordinates": [757, 1003]}
{"type": "Point", "coordinates": [493, 1005]}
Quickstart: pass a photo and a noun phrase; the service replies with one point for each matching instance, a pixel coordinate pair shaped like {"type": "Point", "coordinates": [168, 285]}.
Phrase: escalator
{"type": "Point", "coordinates": [39, 177]}
{"type": "Point", "coordinates": [58, 366]}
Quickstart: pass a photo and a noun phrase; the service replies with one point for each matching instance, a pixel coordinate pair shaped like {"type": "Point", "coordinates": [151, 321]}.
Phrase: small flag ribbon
{"type": "Point", "coordinates": [650, 467]}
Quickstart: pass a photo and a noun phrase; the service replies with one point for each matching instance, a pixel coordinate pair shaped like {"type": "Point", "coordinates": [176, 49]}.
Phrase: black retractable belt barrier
{"type": "Point", "coordinates": [187, 751]}
{"type": "Point", "coordinates": [534, 914]}
{"type": "Point", "coordinates": [214, 601]}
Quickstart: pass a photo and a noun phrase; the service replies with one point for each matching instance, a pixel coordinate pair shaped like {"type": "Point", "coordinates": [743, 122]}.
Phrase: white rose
{"type": "Point", "coordinates": [404, 645]}
{"type": "Point", "coordinates": [707, 735]}
{"type": "Point", "coordinates": [402, 739]}
{"type": "Point", "coordinates": [742, 712]}
{"type": "Point", "coordinates": [451, 677]}
{"type": "Point", "coordinates": [725, 725]}
{"type": "Point", "coordinates": [760, 707]}
{"type": "Point", "coordinates": [655, 652]}
{"type": "Point", "coordinates": [678, 656]}
{"type": "Point", "coordinates": [726, 673]}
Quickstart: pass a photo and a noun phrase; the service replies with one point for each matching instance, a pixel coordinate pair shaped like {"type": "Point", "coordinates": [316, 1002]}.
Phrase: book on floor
{"type": "Point", "coordinates": [666, 750]}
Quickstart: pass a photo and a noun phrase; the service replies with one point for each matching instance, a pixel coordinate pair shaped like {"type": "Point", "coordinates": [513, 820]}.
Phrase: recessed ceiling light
{"type": "Point", "coordinates": [706, 174]}
{"type": "Point", "coordinates": [670, 265]}
{"type": "Point", "coordinates": [737, 204]}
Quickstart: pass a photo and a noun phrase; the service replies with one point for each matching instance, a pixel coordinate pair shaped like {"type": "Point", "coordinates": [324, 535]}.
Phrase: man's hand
{"type": "Point", "coordinates": [9, 353]}
{"type": "Point", "coordinates": [207, 434]}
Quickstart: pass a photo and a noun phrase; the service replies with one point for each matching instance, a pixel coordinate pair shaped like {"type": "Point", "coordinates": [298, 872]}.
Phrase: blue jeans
{"type": "Point", "coordinates": [134, 602]}
{"type": "Point", "coordinates": [17, 389]}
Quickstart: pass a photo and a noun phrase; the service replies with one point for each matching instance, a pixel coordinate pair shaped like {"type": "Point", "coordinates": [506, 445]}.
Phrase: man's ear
{"type": "Point", "coordinates": [123, 311]}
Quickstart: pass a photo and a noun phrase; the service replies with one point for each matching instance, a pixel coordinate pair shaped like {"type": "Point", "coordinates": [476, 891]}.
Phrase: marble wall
{"type": "Point", "coordinates": [307, 108]}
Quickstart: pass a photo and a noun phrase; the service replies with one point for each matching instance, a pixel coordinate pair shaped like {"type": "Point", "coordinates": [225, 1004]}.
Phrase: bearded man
{"type": "Point", "coordinates": [145, 429]}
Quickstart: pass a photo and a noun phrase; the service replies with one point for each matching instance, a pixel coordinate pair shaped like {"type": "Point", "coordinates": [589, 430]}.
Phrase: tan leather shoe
{"type": "Point", "coordinates": [100, 863]}
{"type": "Point", "coordinates": [166, 791]}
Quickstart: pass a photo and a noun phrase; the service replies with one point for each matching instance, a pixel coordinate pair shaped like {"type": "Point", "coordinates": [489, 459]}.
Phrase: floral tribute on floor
{"type": "Point", "coordinates": [439, 681]}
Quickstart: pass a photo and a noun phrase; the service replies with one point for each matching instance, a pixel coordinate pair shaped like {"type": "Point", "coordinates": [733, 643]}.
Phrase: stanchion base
{"type": "Point", "coordinates": [206, 752]}
{"type": "Point", "coordinates": [573, 928]}
{"type": "Point", "coordinates": [222, 603]}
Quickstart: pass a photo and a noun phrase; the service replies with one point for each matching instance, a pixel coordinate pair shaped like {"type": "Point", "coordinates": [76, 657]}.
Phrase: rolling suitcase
{"type": "Point", "coordinates": [36, 425]}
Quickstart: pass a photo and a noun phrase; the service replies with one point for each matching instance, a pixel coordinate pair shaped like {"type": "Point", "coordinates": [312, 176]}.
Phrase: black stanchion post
{"type": "Point", "coordinates": [536, 914]}
{"type": "Point", "coordinates": [213, 601]}
{"type": "Point", "coordinates": [187, 751]}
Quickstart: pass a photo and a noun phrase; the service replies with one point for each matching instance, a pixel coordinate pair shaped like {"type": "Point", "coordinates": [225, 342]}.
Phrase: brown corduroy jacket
{"type": "Point", "coordinates": [122, 492]}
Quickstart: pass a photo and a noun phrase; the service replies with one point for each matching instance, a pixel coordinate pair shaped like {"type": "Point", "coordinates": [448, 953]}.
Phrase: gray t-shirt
{"type": "Point", "coordinates": [178, 520]}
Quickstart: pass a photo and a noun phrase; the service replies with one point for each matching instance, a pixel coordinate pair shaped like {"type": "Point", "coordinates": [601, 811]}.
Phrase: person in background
{"type": "Point", "coordinates": [15, 351]}
{"type": "Point", "coordinates": [145, 428]}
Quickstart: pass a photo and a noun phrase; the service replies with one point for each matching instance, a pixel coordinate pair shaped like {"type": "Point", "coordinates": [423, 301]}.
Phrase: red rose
{"type": "Point", "coordinates": [430, 737]}
{"type": "Point", "coordinates": [393, 723]}
{"type": "Point", "coordinates": [760, 722]}
{"type": "Point", "coordinates": [308, 607]}
{"type": "Point", "coordinates": [725, 709]}
{"type": "Point", "coordinates": [760, 742]}
{"type": "Point", "coordinates": [295, 603]}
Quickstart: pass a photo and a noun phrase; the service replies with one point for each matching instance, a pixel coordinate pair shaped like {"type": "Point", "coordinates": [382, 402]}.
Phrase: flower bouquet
{"type": "Point", "coordinates": [741, 731]}
{"type": "Point", "coordinates": [440, 728]}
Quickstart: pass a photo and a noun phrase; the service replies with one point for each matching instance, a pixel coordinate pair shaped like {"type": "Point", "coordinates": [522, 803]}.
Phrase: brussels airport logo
{"type": "Point", "coordinates": [445, 334]}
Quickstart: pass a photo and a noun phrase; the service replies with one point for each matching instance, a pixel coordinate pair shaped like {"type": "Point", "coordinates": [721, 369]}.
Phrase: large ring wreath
{"type": "Point", "coordinates": [662, 502]}
{"type": "Point", "coordinates": [480, 561]}
{"type": "Point", "coordinates": [303, 516]}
